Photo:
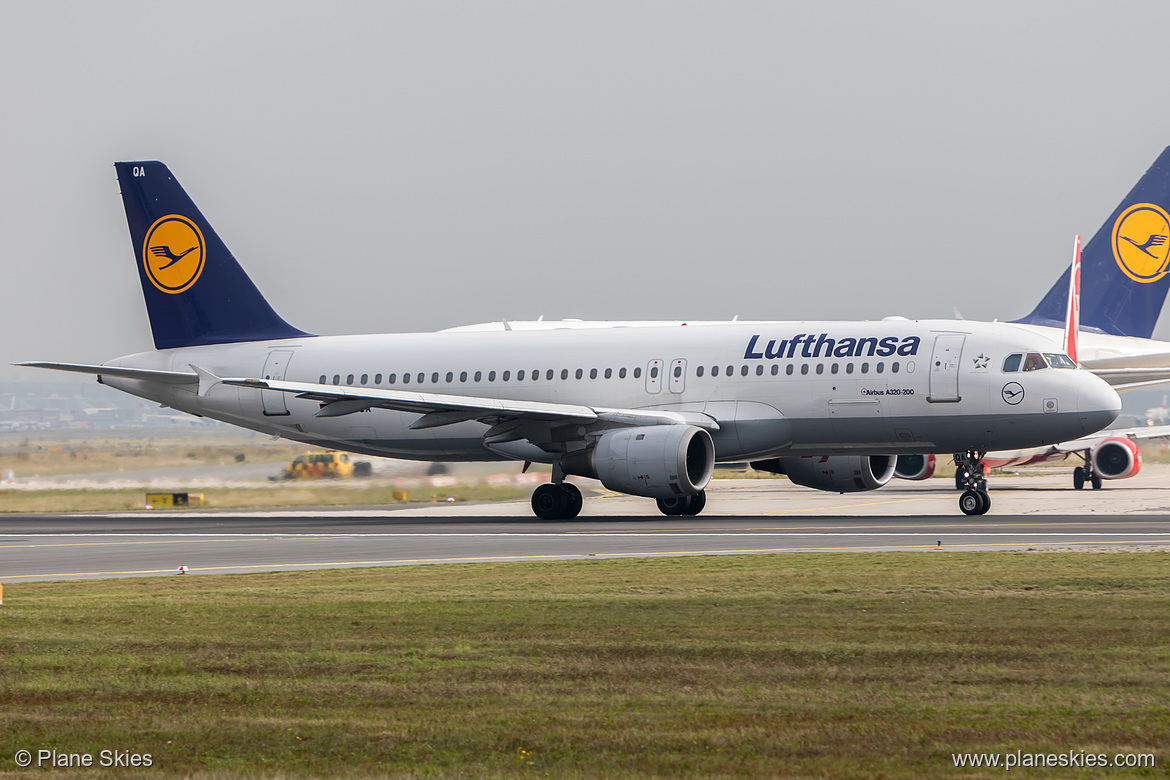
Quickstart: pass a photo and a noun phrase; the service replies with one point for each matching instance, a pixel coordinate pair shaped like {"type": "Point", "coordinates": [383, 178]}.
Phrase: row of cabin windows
{"type": "Point", "coordinates": [790, 369]}
{"type": "Point", "coordinates": [608, 373]}
{"type": "Point", "coordinates": [505, 376]}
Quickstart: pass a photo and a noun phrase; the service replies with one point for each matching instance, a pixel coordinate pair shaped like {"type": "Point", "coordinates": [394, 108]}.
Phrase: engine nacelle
{"type": "Point", "coordinates": [838, 473]}
{"type": "Point", "coordinates": [914, 467]}
{"type": "Point", "coordinates": [1116, 458]}
{"type": "Point", "coordinates": [657, 461]}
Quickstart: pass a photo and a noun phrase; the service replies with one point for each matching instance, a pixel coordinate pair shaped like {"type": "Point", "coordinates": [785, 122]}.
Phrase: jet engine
{"type": "Point", "coordinates": [657, 461]}
{"type": "Point", "coordinates": [914, 467]}
{"type": "Point", "coordinates": [1116, 458]}
{"type": "Point", "coordinates": [838, 473]}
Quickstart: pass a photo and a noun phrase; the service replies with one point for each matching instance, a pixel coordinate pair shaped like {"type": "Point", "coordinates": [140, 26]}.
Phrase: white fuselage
{"type": "Point", "coordinates": [773, 388]}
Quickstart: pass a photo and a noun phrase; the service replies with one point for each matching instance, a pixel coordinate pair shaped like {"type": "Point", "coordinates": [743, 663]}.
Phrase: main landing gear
{"type": "Point", "coordinates": [558, 501]}
{"type": "Point", "coordinates": [683, 505]}
{"type": "Point", "coordinates": [1082, 474]}
{"type": "Point", "coordinates": [969, 477]}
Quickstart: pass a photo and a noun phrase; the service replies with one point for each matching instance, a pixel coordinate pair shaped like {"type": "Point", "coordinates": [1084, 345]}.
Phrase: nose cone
{"type": "Point", "coordinates": [1097, 402]}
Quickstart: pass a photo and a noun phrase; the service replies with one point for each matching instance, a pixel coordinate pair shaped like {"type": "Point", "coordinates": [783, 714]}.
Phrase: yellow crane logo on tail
{"type": "Point", "coordinates": [1141, 242]}
{"type": "Point", "coordinates": [173, 253]}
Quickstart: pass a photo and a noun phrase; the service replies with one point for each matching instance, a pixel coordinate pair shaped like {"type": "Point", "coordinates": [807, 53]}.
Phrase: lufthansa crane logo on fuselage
{"type": "Point", "coordinates": [1141, 242]}
{"type": "Point", "coordinates": [173, 253]}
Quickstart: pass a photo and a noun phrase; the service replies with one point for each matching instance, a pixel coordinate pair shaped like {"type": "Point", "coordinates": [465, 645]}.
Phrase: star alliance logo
{"type": "Point", "coordinates": [981, 361]}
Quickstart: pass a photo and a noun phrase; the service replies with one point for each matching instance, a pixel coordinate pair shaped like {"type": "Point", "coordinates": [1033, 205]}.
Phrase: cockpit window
{"type": "Point", "coordinates": [1034, 361]}
{"type": "Point", "coordinates": [1012, 363]}
{"type": "Point", "coordinates": [1059, 361]}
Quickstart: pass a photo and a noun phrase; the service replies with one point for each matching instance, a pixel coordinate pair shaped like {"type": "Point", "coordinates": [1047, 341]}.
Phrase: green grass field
{"type": "Point", "coordinates": [817, 665]}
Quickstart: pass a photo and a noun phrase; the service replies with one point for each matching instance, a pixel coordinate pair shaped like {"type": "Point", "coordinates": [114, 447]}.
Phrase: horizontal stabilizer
{"type": "Point", "coordinates": [145, 374]}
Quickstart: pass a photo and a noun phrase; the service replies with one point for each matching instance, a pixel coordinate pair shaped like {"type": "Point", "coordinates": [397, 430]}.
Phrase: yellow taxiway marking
{"type": "Point", "coordinates": [489, 559]}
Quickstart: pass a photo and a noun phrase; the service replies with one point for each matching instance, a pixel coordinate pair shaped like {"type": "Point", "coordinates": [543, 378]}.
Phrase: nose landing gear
{"type": "Point", "coordinates": [969, 476]}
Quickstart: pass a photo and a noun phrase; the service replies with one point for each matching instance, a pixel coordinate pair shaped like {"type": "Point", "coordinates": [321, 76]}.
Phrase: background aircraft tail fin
{"type": "Point", "coordinates": [196, 293]}
{"type": "Point", "coordinates": [1124, 267]}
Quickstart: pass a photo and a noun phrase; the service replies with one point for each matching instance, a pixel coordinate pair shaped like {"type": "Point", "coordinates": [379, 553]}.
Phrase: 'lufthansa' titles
{"type": "Point", "coordinates": [809, 345]}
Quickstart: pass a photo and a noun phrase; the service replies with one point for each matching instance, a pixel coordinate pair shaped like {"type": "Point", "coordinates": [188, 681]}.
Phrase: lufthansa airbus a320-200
{"type": "Point", "coordinates": [646, 410]}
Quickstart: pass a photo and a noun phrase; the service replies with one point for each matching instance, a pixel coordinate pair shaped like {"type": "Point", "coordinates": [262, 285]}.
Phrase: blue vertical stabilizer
{"type": "Point", "coordinates": [196, 293]}
{"type": "Point", "coordinates": [1124, 267]}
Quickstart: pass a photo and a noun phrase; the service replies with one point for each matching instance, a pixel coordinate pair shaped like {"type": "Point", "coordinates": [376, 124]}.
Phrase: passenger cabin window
{"type": "Point", "coordinates": [593, 373]}
{"type": "Point", "coordinates": [654, 372]}
{"type": "Point", "coordinates": [1011, 363]}
{"type": "Point", "coordinates": [1059, 361]}
{"type": "Point", "coordinates": [390, 378]}
{"type": "Point", "coordinates": [621, 373]}
{"type": "Point", "coordinates": [714, 370]}
{"type": "Point", "coordinates": [775, 369]}
{"type": "Point", "coordinates": [365, 379]}
{"type": "Point", "coordinates": [377, 379]}
{"type": "Point", "coordinates": [1034, 361]}
{"type": "Point", "coordinates": [349, 379]}
{"type": "Point", "coordinates": [478, 376]}
{"type": "Point", "coordinates": [450, 377]}
{"type": "Point", "coordinates": [638, 372]}
{"type": "Point", "coordinates": [321, 381]}
{"type": "Point", "coordinates": [564, 373]}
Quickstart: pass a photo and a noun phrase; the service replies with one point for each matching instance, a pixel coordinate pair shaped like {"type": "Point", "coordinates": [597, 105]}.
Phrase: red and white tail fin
{"type": "Point", "coordinates": [1072, 314]}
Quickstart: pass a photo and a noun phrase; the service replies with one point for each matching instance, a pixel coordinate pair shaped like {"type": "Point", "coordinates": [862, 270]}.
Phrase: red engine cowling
{"type": "Point", "coordinates": [914, 467]}
{"type": "Point", "coordinates": [1116, 458]}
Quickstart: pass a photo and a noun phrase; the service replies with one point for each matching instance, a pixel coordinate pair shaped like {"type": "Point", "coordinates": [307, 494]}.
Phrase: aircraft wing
{"type": "Point", "coordinates": [1136, 434]}
{"type": "Point", "coordinates": [145, 374]}
{"type": "Point", "coordinates": [438, 409]}
{"type": "Point", "coordinates": [1133, 378]}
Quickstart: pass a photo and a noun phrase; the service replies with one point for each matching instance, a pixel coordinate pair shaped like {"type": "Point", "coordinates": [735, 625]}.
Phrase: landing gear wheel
{"type": "Point", "coordinates": [550, 502]}
{"type": "Point", "coordinates": [674, 506]}
{"type": "Point", "coordinates": [1096, 480]}
{"type": "Point", "coordinates": [1079, 478]}
{"type": "Point", "coordinates": [575, 500]}
{"type": "Point", "coordinates": [696, 503]}
{"type": "Point", "coordinates": [974, 502]}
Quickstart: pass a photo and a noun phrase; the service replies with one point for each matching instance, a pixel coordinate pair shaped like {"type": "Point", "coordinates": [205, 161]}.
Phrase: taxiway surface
{"type": "Point", "coordinates": [742, 517]}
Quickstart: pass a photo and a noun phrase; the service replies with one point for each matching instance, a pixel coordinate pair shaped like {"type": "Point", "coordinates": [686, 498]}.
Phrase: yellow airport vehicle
{"type": "Point", "coordinates": [317, 465]}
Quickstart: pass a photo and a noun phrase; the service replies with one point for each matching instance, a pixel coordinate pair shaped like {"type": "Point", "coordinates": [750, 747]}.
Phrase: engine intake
{"type": "Point", "coordinates": [657, 461]}
{"type": "Point", "coordinates": [914, 467]}
{"type": "Point", "coordinates": [1116, 458]}
{"type": "Point", "coordinates": [838, 473]}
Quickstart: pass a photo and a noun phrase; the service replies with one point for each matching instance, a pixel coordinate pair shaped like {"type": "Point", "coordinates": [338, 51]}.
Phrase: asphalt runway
{"type": "Point", "coordinates": [742, 517]}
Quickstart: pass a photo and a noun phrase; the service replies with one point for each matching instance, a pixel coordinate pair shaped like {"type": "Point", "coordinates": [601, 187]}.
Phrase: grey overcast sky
{"type": "Point", "coordinates": [411, 166]}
